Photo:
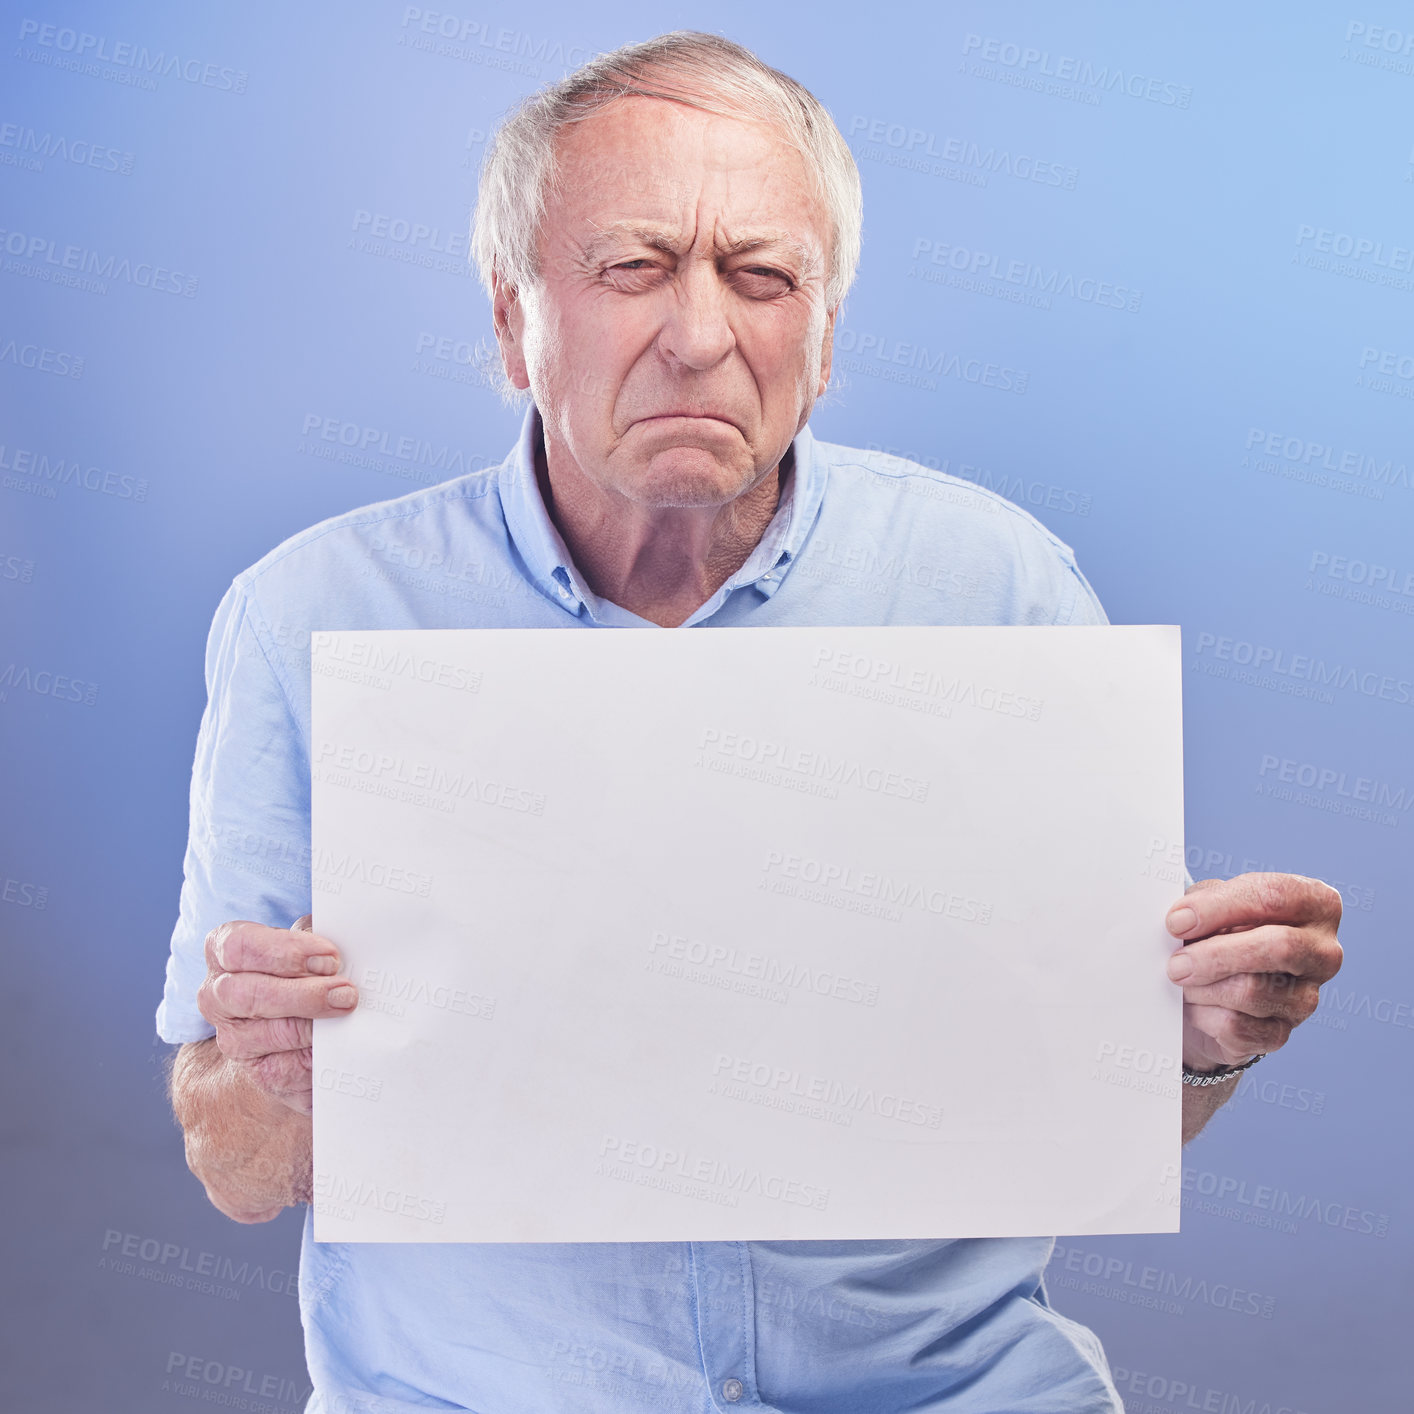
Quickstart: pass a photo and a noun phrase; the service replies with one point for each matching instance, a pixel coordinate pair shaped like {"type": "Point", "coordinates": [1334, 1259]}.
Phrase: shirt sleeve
{"type": "Point", "coordinates": [1081, 605]}
{"type": "Point", "coordinates": [247, 853]}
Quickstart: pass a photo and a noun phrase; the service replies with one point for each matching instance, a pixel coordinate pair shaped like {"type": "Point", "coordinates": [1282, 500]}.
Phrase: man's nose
{"type": "Point", "coordinates": [697, 332]}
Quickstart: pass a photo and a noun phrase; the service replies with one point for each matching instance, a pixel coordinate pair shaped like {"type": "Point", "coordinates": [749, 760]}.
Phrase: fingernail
{"type": "Point", "coordinates": [323, 964]}
{"type": "Point", "coordinates": [342, 996]}
{"type": "Point", "coordinates": [1180, 966]}
{"type": "Point", "coordinates": [1181, 920]}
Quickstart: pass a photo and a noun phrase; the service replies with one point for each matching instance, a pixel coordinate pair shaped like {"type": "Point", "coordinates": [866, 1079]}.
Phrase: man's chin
{"type": "Point", "coordinates": [686, 477]}
{"type": "Point", "coordinates": [683, 494]}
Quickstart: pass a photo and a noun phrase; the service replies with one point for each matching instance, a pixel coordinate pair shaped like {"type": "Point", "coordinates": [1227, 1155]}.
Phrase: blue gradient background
{"type": "Point", "coordinates": [1295, 119]}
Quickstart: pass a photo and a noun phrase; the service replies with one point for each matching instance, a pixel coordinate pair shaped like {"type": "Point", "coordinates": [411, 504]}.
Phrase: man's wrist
{"type": "Point", "coordinates": [1218, 1075]}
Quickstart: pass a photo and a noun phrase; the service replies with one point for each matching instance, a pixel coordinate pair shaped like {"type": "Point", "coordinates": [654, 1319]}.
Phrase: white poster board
{"type": "Point", "coordinates": [747, 933]}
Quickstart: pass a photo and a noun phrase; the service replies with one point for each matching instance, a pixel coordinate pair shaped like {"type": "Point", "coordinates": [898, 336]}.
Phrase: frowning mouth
{"type": "Point", "coordinates": [688, 417]}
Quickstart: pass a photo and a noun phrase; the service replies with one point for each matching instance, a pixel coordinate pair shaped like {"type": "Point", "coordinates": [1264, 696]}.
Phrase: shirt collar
{"type": "Point", "coordinates": [551, 569]}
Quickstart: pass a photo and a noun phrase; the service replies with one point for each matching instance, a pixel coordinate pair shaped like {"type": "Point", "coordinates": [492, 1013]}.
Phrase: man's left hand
{"type": "Point", "coordinates": [1257, 949]}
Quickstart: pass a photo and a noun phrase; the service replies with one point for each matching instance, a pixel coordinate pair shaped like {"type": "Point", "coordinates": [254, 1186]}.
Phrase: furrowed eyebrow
{"type": "Point", "coordinates": [786, 244]}
{"type": "Point", "coordinates": [661, 238]}
{"type": "Point", "coordinates": [607, 237]}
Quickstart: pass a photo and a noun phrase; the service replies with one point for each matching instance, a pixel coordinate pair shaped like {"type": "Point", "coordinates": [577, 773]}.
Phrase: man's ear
{"type": "Point", "coordinates": [508, 320]}
{"type": "Point", "coordinates": [827, 352]}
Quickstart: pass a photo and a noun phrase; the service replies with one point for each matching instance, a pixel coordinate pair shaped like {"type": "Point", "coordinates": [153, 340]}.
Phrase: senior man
{"type": "Point", "coordinates": [666, 237]}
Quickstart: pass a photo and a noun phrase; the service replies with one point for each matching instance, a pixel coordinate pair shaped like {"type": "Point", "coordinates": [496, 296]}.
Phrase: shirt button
{"type": "Point", "coordinates": [732, 1390]}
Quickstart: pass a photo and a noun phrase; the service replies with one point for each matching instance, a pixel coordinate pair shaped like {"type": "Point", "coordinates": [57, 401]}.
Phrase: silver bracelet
{"type": "Point", "coordinates": [1216, 1077]}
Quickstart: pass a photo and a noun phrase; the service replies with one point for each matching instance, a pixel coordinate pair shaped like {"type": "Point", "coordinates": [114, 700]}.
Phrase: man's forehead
{"type": "Point", "coordinates": [663, 127]}
{"type": "Point", "coordinates": [650, 163]}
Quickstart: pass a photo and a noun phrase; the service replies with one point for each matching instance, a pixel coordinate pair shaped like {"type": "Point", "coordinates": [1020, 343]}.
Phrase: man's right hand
{"type": "Point", "coordinates": [264, 988]}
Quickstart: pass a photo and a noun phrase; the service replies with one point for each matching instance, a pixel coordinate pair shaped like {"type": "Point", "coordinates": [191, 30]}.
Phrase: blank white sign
{"type": "Point", "coordinates": [747, 933]}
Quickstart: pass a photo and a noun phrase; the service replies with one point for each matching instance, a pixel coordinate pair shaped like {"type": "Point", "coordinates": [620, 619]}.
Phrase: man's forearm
{"type": "Point", "coordinates": [1199, 1104]}
{"type": "Point", "coordinates": [252, 1153]}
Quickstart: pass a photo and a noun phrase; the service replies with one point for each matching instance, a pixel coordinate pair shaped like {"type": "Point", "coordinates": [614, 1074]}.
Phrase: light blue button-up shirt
{"type": "Point", "coordinates": [666, 1327]}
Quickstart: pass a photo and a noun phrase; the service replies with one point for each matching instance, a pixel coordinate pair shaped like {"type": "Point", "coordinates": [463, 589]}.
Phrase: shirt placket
{"type": "Point", "coordinates": [726, 1324]}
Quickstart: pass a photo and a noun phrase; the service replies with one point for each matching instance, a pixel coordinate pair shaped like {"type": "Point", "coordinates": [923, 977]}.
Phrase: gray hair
{"type": "Point", "coordinates": [701, 70]}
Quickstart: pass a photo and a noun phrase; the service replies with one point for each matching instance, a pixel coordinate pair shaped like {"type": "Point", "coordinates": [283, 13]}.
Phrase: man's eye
{"type": "Point", "coordinates": [763, 280]}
